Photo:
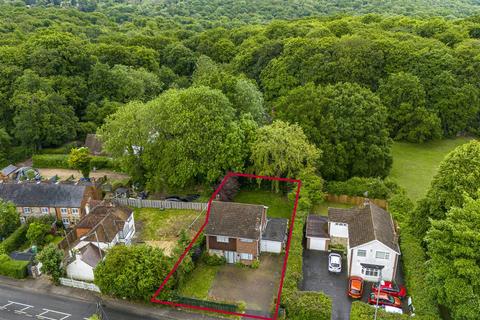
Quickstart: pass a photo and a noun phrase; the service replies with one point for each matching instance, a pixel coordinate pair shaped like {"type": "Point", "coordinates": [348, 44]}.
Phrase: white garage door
{"type": "Point", "coordinates": [317, 244]}
{"type": "Point", "coordinates": [270, 246]}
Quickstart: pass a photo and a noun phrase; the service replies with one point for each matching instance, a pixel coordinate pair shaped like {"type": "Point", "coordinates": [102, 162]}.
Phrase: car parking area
{"type": "Point", "coordinates": [317, 278]}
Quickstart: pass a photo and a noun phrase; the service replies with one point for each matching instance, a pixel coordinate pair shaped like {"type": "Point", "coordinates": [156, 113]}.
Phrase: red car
{"type": "Point", "coordinates": [355, 287]}
{"type": "Point", "coordinates": [391, 288]}
{"type": "Point", "coordinates": [384, 300]}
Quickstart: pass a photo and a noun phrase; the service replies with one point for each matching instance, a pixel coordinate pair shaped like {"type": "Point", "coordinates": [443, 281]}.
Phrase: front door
{"type": "Point", "coordinates": [230, 256]}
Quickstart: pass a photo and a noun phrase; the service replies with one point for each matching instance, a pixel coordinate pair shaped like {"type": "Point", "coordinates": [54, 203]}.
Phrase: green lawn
{"type": "Point", "coordinates": [322, 208]}
{"type": "Point", "coordinates": [414, 165]}
{"type": "Point", "coordinates": [199, 282]}
{"type": "Point", "coordinates": [278, 204]}
{"type": "Point", "coordinates": [159, 224]}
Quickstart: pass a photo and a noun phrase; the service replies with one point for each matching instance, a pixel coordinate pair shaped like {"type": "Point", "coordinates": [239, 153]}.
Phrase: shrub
{"type": "Point", "coordinates": [213, 259]}
{"type": "Point", "coordinates": [65, 149]}
{"type": "Point", "coordinates": [255, 264]}
{"type": "Point", "coordinates": [60, 161]}
{"type": "Point", "coordinates": [309, 305]}
{"type": "Point", "coordinates": [15, 240]}
{"type": "Point", "coordinates": [363, 311]}
{"type": "Point", "coordinates": [357, 186]}
{"type": "Point", "coordinates": [13, 268]}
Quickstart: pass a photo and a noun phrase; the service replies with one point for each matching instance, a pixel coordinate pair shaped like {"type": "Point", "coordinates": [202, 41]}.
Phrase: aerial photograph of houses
{"type": "Point", "coordinates": [233, 159]}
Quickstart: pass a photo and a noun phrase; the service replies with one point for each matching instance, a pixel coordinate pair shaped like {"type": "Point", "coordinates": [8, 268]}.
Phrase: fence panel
{"type": "Point", "coordinates": [208, 304]}
{"type": "Point", "coordinates": [355, 200]}
{"type": "Point", "coordinates": [79, 284]}
{"type": "Point", "coordinates": [161, 204]}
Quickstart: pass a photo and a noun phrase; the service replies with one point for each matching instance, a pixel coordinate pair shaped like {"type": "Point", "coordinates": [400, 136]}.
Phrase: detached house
{"type": "Point", "coordinates": [86, 245]}
{"type": "Point", "coordinates": [239, 232]}
{"type": "Point", "coordinates": [367, 232]}
{"type": "Point", "coordinates": [66, 202]}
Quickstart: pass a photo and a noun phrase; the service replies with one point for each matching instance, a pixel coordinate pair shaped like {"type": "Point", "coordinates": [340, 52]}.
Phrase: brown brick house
{"type": "Point", "coordinates": [66, 202]}
{"type": "Point", "coordinates": [236, 231]}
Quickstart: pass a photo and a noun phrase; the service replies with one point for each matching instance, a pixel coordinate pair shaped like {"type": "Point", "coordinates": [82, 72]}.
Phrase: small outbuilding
{"type": "Point", "coordinates": [274, 236]}
{"type": "Point", "coordinates": [317, 233]}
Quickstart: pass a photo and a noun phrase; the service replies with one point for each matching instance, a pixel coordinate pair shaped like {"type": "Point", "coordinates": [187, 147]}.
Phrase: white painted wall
{"type": "Point", "coordinates": [270, 246]}
{"type": "Point", "coordinates": [336, 230]}
{"type": "Point", "coordinates": [79, 270]}
{"type": "Point", "coordinates": [371, 248]}
{"type": "Point", "coordinates": [317, 244]}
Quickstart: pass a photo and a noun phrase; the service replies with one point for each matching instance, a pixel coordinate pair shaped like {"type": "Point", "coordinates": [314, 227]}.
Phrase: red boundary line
{"type": "Point", "coordinates": [287, 249]}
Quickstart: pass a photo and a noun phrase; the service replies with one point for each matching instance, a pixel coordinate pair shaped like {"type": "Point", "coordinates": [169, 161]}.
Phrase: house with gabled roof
{"type": "Point", "coordinates": [239, 231]}
{"type": "Point", "coordinates": [369, 235]}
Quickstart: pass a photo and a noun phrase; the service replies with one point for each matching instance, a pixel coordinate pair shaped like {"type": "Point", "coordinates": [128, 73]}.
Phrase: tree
{"type": "Point", "coordinates": [454, 248]}
{"type": "Point", "coordinates": [282, 150]}
{"type": "Point", "coordinates": [133, 272]}
{"type": "Point", "coordinates": [5, 143]}
{"type": "Point", "coordinates": [404, 96]}
{"type": "Point", "coordinates": [311, 191]}
{"type": "Point", "coordinates": [9, 219]}
{"type": "Point", "coordinates": [51, 258]}
{"type": "Point", "coordinates": [80, 159]}
{"type": "Point", "coordinates": [347, 123]}
{"type": "Point", "coordinates": [37, 232]}
{"type": "Point", "coordinates": [458, 175]}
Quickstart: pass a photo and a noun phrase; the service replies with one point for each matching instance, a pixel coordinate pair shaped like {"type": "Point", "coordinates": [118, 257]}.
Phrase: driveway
{"type": "Point", "coordinates": [317, 278]}
{"type": "Point", "coordinates": [256, 287]}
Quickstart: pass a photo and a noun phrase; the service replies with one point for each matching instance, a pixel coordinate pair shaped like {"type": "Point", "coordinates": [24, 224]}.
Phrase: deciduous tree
{"type": "Point", "coordinates": [9, 219]}
{"type": "Point", "coordinates": [80, 159]}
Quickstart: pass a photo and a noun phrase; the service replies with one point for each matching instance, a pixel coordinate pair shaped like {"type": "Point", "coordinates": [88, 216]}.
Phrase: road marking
{"type": "Point", "coordinates": [14, 304]}
{"type": "Point", "coordinates": [63, 315]}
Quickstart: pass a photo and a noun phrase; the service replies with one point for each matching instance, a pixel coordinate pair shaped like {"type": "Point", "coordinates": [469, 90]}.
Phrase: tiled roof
{"type": "Point", "coordinates": [236, 220]}
{"type": "Point", "coordinates": [366, 224]}
{"type": "Point", "coordinates": [317, 226]}
{"type": "Point", "coordinates": [8, 170]}
{"type": "Point", "coordinates": [276, 230]}
{"type": "Point", "coordinates": [91, 254]}
{"type": "Point", "coordinates": [43, 194]}
{"type": "Point", "coordinates": [104, 222]}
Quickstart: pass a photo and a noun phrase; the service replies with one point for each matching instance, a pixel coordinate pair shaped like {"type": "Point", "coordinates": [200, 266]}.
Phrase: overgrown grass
{"type": "Point", "coordinates": [322, 208]}
{"type": "Point", "coordinates": [163, 224]}
{"type": "Point", "coordinates": [414, 165]}
{"type": "Point", "coordinates": [278, 204]}
{"type": "Point", "coordinates": [199, 282]}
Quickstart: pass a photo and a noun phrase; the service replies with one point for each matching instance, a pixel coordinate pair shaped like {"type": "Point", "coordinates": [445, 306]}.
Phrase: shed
{"type": "Point", "coordinates": [317, 233]}
{"type": "Point", "coordinates": [274, 236]}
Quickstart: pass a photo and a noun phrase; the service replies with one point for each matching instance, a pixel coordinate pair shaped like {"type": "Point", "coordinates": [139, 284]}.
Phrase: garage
{"type": "Point", "coordinates": [317, 233]}
{"type": "Point", "coordinates": [274, 236]}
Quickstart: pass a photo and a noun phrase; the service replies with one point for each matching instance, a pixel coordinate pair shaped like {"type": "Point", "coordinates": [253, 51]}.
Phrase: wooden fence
{"type": "Point", "coordinates": [160, 204]}
{"type": "Point", "coordinates": [79, 284]}
{"type": "Point", "coordinates": [355, 200]}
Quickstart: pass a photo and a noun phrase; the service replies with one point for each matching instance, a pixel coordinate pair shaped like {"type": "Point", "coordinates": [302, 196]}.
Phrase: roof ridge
{"type": "Point", "coordinates": [373, 222]}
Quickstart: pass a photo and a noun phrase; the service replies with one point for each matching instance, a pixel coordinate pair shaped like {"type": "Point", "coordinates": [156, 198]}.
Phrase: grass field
{"type": "Point", "coordinates": [278, 204]}
{"type": "Point", "coordinates": [414, 165]}
{"type": "Point", "coordinates": [199, 282]}
{"type": "Point", "coordinates": [163, 224]}
{"type": "Point", "coordinates": [322, 208]}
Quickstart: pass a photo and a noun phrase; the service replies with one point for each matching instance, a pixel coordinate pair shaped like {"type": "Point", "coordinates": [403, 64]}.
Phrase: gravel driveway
{"type": "Point", "coordinates": [317, 278]}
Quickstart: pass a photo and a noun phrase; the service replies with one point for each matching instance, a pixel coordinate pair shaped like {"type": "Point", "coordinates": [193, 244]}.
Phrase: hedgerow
{"type": "Point", "coordinates": [60, 161]}
{"type": "Point", "coordinates": [15, 240]}
{"type": "Point", "coordinates": [13, 268]}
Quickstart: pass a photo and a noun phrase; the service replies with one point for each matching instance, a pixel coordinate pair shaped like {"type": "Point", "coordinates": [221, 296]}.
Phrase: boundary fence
{"type": "Point", "coordinates": [161, 204]}
{"type": "Point", "coordinates": [79, 284]}
{"type": "Point", "coordinates": [355, 200]}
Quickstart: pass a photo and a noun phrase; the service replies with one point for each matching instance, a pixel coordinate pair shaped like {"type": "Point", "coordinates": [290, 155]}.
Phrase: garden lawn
{"type": "Point", "coordinates": [322, 208]}
{"type": "Point", "coordinates": [414, 165]}
{"type": "Point", "coordinates": [159, 224]}
{"type": "Point", "coordinates": [278, 204]}
{"type": "Point", "coordinates": [199, 282]}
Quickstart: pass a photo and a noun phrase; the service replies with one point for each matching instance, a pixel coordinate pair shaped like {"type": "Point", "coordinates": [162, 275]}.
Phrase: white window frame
{"type": "Point", "coordinates": [370, 272]}
{"type": "Point", "coordinates": [64, 211]}
{"type": "Point", "coordinates": [246, 240]}
{"type": "Point", "coordinates": [75, 211]}
{"type": "Point", "coordinates": [363, 251]}
{"type": "Point", "coordinates": [45, 210]}
{"type": "Point", "coordinates": [246, 256]}
{"type": "Point", "coordinates": [22, 220]}
{"type": "Point", "coordinates": [382, 255]}
{"type": "Point", "coordinates": [65, 220]}
{"type": "Point", "coordinates": [222, 239]}
{"type": "Point", "coordinates": [340, 224]}
{"type": "Point", "coordinates": [27, 210]}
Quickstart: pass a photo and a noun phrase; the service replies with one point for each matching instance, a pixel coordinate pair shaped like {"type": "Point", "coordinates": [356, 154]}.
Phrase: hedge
{"type": "Point", "coordinates": [60, 150]}
{"type": "Point", "coordinates": [60, 161]}
{"type": "Point", "coordinates": [13, 268]}
{"type": "Point", "coordinates": [15, 240]}
{"type": "Point", "coordinates": [356, 186]}
{"type": "Point", "coordinates": [363, 311]}
{"type": "Point", "coordinates": [301, 304]}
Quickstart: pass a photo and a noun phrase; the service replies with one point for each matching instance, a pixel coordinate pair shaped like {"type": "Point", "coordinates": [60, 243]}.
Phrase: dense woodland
{"type": "Point", "coordinates": [182, 93]}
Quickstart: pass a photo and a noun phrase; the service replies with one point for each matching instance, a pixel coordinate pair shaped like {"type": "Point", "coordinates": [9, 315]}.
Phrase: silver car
{"type": "Point", "coordinates": [334, 262]}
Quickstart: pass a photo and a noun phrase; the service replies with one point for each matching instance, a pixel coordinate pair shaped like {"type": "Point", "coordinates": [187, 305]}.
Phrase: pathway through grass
{"type": "Point", "coordinates": [414, 165]}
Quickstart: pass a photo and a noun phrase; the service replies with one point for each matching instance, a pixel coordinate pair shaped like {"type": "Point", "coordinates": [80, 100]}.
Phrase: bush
{"type": "Point", "coordinates": [309, 305]}
{"type": "Point", "coordinates": [13, 268]}
{"type": "Point", "coordinates": [60, 161]}
{"type": "Point", "coordinates": [15, 240]}
{"type": "Point", "coordinates": [357, 186]}
{"type": "Point", "coordinates": [363, 311]}
{"type": "Point", "coordinates": [213, 259]}
{"type": "Point", "coordinates": [65, 149]}
{"type": "Point", "coordinates": [255, 264]}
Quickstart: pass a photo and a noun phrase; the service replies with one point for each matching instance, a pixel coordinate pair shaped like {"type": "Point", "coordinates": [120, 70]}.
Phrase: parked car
{"type": "Point", "coordinates": [334, 262]}
{"type": "Point", "coordinates": [384, 300]}
{"type": "Point", "coordinates": [391, 288]}
{"type": "Point", "coordinates": [355, 287]}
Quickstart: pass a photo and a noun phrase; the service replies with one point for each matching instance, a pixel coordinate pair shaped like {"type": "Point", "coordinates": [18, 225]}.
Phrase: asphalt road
{"type": "Point", "coordinates": [20, 304]}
